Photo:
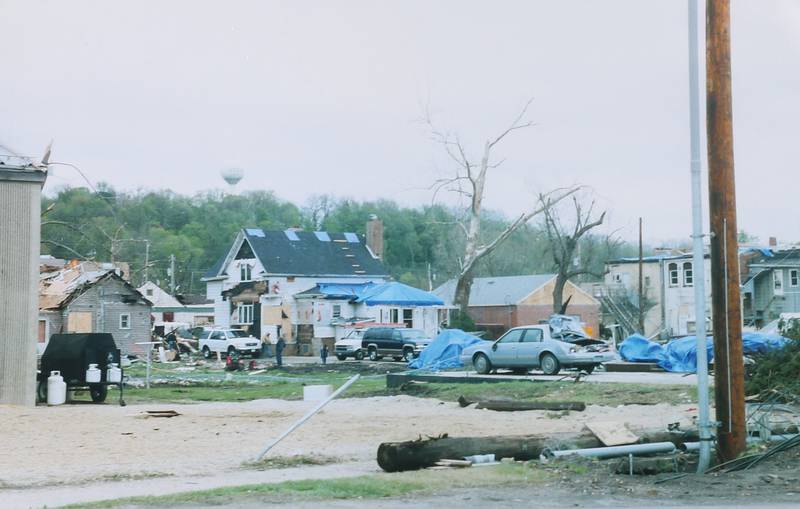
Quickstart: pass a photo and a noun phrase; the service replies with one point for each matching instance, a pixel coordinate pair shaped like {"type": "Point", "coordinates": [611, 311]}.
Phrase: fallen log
{"type": "Point", "coordinates": [424, 453]}
{"type": "Point", "coordinates": [510, 405]}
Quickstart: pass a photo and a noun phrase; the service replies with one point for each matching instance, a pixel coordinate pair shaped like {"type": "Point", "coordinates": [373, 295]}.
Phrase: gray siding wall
{"type": "Point", "coordinates": [771, 304]}
{"type": "Point", "coordinates": [105, 301]}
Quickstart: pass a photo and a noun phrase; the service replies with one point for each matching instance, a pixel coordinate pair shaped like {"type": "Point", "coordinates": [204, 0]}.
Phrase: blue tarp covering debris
{"type": "Point", "coordinates": [444, 351]}
{"type": "Point", "coordinates": [680, 355]}
{"type": "Point", "coordinates": [398, 294]}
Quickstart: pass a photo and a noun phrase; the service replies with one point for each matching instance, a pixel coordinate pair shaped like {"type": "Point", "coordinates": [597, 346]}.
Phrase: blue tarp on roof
{"type": "Point", "coordinates": [343, 290]}
{"type": "Point", "coordinates": [444, 351]}
{"type": "Point", "coordinates": [680, 355]}
{"type": "Point", "coordinates": [398, 294]}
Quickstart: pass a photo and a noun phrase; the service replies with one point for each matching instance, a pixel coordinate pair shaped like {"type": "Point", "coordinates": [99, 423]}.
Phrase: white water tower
{"type": "Point", "coordinates": [232, 176]}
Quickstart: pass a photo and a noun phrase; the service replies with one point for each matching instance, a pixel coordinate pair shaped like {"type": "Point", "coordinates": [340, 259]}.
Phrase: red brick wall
{"type": "Point", "coordinates": [514, 316]}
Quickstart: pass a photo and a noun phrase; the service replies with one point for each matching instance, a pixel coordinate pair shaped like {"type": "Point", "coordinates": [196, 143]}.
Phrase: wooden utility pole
{"type": "Point", "coordinates": [725, 303]}
{"type": "Point", "coordinates": [641, 279]}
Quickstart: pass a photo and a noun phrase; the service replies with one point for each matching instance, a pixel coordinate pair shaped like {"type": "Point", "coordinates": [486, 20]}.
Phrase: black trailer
{"type": "Point", "coordinates": [71, 354]}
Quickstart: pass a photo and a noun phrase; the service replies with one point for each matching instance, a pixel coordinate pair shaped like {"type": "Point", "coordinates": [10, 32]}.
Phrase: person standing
{"type": "Point", "coordinates": [323, 353]}
{"type": "Point", "coordinates": [279, 351]}
{"type": "Point", "coordinates": [266, 342]}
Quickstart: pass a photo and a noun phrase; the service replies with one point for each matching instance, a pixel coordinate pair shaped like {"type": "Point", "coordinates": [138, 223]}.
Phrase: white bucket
{"type": "Point", "coordinates": [93, 374]}
{"type": "Point", "coordinates": [316, 392]}
{"type": "Point", "coordinates": [56, 389]}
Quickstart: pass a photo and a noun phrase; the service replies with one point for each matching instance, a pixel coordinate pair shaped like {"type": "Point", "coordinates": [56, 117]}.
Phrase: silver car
{"type": "Point", "coordinates": [524, 348]}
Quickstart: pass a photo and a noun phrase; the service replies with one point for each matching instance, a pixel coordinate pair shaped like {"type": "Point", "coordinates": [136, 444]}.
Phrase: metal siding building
{"type": "Point", "coordinates": [20, 208]}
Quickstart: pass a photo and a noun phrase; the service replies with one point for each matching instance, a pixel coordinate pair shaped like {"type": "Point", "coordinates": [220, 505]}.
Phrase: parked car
{"type": "Point", "coordinates": [350, 346]}
{"type": "Point", "coordinates": [529, 347]}
{"type": "Point", "coordinates": [400, 344]}
{"type": "Point", "coordinates": [228, 341]}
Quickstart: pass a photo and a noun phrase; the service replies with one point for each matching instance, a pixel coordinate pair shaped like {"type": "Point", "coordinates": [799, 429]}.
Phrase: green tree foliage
{"type": "Point", "coordinates": [422, 244]}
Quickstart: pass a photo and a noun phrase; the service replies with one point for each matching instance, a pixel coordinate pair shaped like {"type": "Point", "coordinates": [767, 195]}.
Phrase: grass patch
{"type": "Point", "coordinates": [370, 487]}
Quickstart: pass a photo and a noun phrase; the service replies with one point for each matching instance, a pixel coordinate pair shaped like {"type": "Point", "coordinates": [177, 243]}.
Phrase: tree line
{"type": "Point", "coordinates": [422, 246]}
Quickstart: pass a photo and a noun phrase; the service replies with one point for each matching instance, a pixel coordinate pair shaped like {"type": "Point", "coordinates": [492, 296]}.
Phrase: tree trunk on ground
{"type": "Point", "coordinates": [423, 453]}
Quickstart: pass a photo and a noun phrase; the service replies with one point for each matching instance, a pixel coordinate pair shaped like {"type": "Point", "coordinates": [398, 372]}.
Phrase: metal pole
{"type": "Point", "coordinates": [172, 274]}
{"type": "Point", "coordinates": [308, 416]}
{"type": "Point", "coordinates": [698, 258]}
{"type": "Point", "coordinates": [641, 277]}
{"type": "Point", "coordinates": [726, 304]}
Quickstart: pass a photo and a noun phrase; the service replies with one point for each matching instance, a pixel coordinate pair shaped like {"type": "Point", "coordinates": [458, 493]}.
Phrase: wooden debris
{"type": "Point", "coordinates": [508, 405]}
{"type": "Point", "coordinates": [162, 413]}
{"type": "Point", "coordinates": [612, 433]}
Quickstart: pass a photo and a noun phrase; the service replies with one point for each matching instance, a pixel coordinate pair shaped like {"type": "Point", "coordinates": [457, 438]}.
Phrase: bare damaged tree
{"type": "Point", "coordinates": [469, 180]}
{"type": "Point", "coordinates": [565, 241]}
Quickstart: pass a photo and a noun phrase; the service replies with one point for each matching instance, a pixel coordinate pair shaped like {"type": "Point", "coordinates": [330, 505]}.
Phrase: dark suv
{"type": "Point", "coordinates": [400, 344]}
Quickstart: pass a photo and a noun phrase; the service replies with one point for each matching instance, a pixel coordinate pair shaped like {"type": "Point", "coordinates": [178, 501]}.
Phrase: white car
{"type": "Point", "coordinates": [228, 341]}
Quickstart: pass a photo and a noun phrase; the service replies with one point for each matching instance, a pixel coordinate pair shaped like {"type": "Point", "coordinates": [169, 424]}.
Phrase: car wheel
{"type": "Point", "coordinates": [231, 350]}
{"type": "Point", "coordinates": [98, 393]}
{"type": "Point", "coordinates": [206, 352]}
{"type": "Point", "coordinates": [408, 355]}
{"type": "Point", "coordinates": [482, 364]}
{"type": "Point", "coordinates": [549, 364]}
{"type": "Point", "coordinates": [359, 355]}
{"type": "Point", "coordinates": [373, 354]}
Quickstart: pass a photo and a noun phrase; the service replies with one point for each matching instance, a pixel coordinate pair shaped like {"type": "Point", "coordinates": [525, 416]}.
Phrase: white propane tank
{"type": "Point", "coordinates": [56, 389]}
{"type": "Point", "coordinates": [113, 374]}
{"type": "Point", "coordinates": [93, 374]}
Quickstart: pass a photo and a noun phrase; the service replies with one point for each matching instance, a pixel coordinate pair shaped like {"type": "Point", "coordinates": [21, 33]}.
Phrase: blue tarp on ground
{"type": "Point", "coordinates": [680, 355]}
{"type": "Point", "coordinates": [444, 351]}
{"type": "Point", "coordinates": [398, 294]}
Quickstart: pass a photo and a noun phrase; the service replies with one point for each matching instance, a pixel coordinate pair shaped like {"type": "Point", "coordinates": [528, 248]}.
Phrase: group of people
{"type": "Point", "coordinates": [280, 346]}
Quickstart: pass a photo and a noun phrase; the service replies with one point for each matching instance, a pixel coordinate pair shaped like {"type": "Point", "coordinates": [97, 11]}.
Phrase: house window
{"type": "Point", "coordinates": [245, 272]}
{"type": "Point", "coordinates": [794, 277]}
{"type": "Point", "coordinates": [245, 312]}
{"type": "Point", "coordinates": [688, 274]}
{"type": "Point", "coordinates": [647, 281]}
{"type": "Point", "coordinates": [149, 292]}
{"type": "Point", "coordinates": [125, 321]}
{"type": "Point", "coordinates": [777, 281]}
{"type": "Point", "coordinates": [618, 278]}
{"type": "Point", "coordinates": [337, 310]}
{"type": "Point", "coordinates": [673, 274]}
{"type": "Point", "coordinates": [408, 318]}
{"type": "Point", "coordinates": [394, 316]}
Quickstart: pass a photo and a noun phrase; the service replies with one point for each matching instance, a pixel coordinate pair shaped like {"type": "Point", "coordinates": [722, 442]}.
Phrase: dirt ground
{"type": "Point", "coordinates": [81, 442]}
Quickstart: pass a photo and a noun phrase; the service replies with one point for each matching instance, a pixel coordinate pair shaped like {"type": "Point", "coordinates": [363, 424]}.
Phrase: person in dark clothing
{"type": "Point", "coordinates": [323, 353]}
{"type": "Point", "coordinates": [279, 346]}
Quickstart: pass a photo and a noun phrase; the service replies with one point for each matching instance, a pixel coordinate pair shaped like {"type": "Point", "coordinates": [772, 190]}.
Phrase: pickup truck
{"type": "Point", "coordinates": [350, 346]}
{"type": "Point", "coordinates": [228, 341]}
{"type": "Point", "coordinates": [398, 343]}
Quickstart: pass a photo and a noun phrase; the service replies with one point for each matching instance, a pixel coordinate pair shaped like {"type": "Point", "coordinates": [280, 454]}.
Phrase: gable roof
{"type": "Point", "coordinates": [496, 291]}
{"type": "Point", "coordinates": [59, 288]}
{"type": "Point", "coordinates": [300, 253]}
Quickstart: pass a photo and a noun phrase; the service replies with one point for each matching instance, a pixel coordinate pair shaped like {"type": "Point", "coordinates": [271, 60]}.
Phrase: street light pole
{"type": "Point", "coordinates": [698, 258]}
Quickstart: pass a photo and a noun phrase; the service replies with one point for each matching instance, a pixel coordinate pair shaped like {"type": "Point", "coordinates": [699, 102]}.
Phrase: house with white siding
{"type": "Point", "coordinates": [280, 282]}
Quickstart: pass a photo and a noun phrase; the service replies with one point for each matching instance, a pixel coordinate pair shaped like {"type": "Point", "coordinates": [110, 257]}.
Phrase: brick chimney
{"type": "Point", "coordinates": [375, 236]}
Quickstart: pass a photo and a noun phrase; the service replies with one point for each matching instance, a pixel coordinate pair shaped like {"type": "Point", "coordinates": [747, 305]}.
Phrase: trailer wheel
{"type": "Point", "coordinates": [41, 392]}
{"type": "Point", "coordinates": [98, 393]}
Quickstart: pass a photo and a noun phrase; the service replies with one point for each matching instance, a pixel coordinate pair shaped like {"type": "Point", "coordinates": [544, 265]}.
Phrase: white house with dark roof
{"type": "Point", "coordinates": [268, 281]}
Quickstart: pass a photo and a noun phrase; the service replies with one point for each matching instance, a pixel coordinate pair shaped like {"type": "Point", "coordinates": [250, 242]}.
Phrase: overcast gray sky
{"type": "Point", "coordinates": [326, 96]}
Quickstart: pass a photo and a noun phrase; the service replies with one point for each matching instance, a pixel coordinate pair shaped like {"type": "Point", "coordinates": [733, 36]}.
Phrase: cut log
{"type": "Point", "coordinates": [424, 453]}
{"type": "Point", "coordinates": [517, 406]}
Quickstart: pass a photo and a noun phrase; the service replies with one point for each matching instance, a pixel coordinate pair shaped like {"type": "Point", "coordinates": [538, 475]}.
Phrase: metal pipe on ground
{"type": "Point", "coordinates": [614, 451]}
{"type": "Point", "coordinates": [695, 446]}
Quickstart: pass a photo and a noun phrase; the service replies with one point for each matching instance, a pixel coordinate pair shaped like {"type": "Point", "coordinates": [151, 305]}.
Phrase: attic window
{"type": "Point", "coordinates": [245, 252]}
{"type": "Point", "coordinates": [291, 235]}
{"type": "Point", "coordinates": [149, 292]}
{"type": "Point", "coordinates": [351, 238]}
{"type": "Point", "coordinates": [322, 236]}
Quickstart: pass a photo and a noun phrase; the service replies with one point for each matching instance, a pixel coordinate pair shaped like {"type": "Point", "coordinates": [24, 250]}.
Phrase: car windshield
{"type": "Point", "coordinates": [237, 334]}
{"type": "Point", "coordinates": [413, 334]}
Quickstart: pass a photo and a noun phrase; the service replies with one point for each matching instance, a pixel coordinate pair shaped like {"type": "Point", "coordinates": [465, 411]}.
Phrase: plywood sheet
{"type": "Point", "coordinates": [612, 433]}
{"type": "Point", "coordinates": [79, 321]}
